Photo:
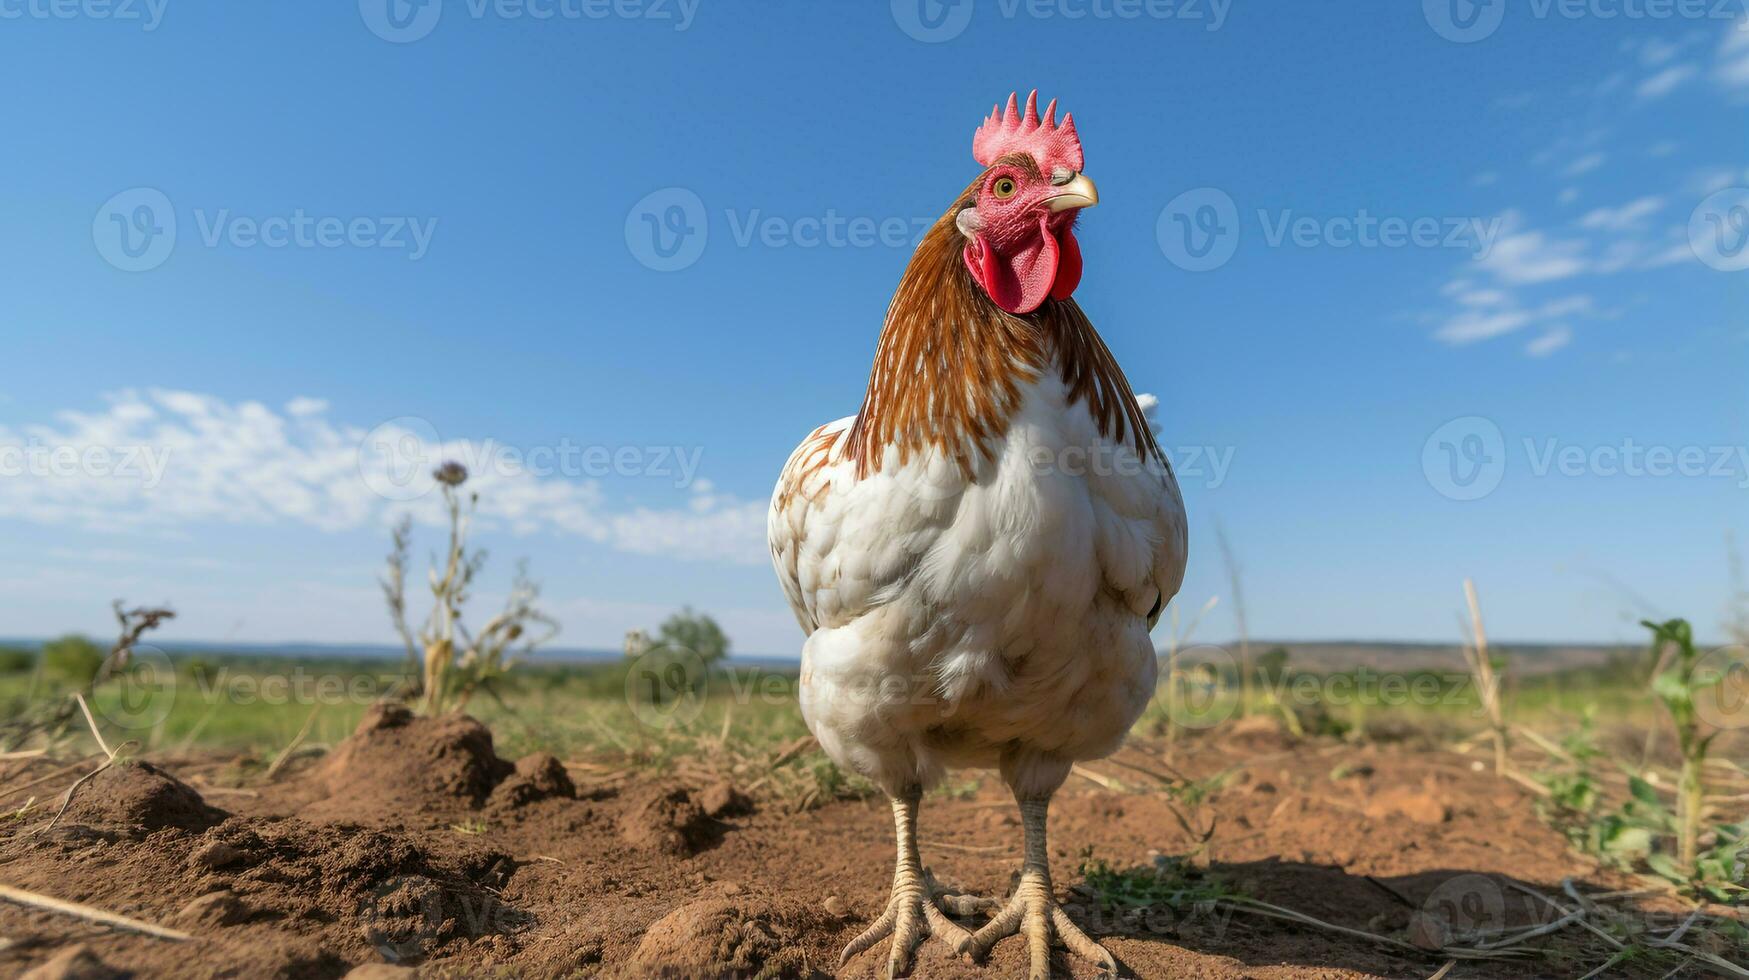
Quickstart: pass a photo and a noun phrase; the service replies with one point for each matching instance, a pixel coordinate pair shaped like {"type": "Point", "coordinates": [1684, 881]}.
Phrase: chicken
{"type": "Point", "coordinates": [977, 556]}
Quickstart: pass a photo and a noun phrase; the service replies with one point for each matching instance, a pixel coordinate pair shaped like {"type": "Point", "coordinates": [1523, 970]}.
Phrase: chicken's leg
{"type": "Point", "coordinates": [1034, 909]}
{"type": "Point", "coordinates": [912, 912]}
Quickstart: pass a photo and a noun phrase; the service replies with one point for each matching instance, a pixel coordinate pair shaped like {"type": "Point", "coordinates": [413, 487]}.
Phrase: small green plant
{"type": "Point", "coordinates": [1174, 882]}
{"type": "Point", "coordinates": [1676, 684]}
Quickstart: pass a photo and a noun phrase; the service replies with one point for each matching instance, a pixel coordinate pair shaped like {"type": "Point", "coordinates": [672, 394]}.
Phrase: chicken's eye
{"type": "Point", "coordinates": [1004, 188]}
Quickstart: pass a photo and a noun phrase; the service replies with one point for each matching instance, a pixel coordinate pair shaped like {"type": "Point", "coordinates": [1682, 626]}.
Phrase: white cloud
{"type": "Point", "coordinates": [1522, 257]}
{"type": "Point", "coordinates": [1569, 195]}
{"type": "Point", "coordinates": [1486, 178]}
{"type": "Point", "coordinates": [1711, 180]}
{"type": "Point", "coordinates": [1663, 83]}
{"type": "Point", "coordinates": [1656, 51]}
{"type": "Point", "coordinates": [1627, 217]}
{"type": "Point", "coordinates": [1483, 297]}
{"type": "Point", "coordinates": [161, 460]}
{"type": "Point", "coordinates": [302, 406]}
{"type": "Point", "coordinates": [1467, 328]}
{"type": "Point", "coordinates": [1731, 65]}
{"type": "Point", "coordinates": [1663, 148]}
{"type": "Point", "coordinates": [1585, 164]}
{"type": "Point", "coordinates": [1551, 340]}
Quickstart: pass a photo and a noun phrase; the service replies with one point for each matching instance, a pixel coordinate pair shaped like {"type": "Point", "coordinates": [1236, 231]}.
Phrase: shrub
{"type": "Point", "coordinates": [72, 660]}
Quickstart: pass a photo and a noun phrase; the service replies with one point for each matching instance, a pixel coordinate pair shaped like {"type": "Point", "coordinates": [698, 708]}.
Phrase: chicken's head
{"type": "Point", "coordinates": [1020, 243]}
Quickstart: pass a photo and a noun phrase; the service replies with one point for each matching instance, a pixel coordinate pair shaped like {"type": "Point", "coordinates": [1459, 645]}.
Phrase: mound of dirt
{"type": "Point", "coordinates": [667, 820]}
{"type": "Point", "coordinates": [396, 766]}
{"type": "Point", "coordinates": [73, 963]}
{"type": "Point", "coordinates": [406, 901]}
{"type": "Point", "coordinates": [138, 798]}
{"type": "Point", "coordinates": [717, 937]}
{"type": "Point", "coordinates": [540, 776]}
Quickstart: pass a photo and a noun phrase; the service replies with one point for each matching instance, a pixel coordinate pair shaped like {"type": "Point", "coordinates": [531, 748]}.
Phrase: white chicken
{"type": "Point", "coordinates": [978, 555]}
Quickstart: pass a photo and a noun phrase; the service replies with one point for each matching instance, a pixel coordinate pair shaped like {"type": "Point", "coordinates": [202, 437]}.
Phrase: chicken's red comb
{"type": "Point", "coordinates": [1007, 132]}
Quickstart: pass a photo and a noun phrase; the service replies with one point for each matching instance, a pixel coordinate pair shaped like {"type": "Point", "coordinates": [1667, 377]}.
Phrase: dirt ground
{"type": "Point", "coordinates": [414, 844]}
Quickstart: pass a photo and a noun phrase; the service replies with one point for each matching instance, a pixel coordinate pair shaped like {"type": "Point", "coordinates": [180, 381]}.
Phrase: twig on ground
{"type": "Point", "coordinates": [1255, 907]}
{"type": "Point", "coordinates": [89, 913]}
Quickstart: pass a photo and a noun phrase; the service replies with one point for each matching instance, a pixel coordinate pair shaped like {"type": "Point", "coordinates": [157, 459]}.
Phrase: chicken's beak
{"type": "Point", "coordinates": [1077, 193]}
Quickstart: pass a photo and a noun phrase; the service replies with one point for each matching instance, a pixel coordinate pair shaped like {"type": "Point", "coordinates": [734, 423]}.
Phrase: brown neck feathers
{"type": "Point", "coordinates": [949, 369]}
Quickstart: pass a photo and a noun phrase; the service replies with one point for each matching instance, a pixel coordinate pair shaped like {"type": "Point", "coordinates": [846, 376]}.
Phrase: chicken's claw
{"type": "Point", "coordinates": [1034, 912]}
{"type": "Point", "coordinates": [911, 914]}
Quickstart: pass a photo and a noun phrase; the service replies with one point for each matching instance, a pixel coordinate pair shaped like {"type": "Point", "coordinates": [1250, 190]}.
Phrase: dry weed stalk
{"type": "Point", "coordinates": [135, 623]}
{"type": "Point", "coordinates": [1487, 681]}
{"type": "Point", "coordinates": [450, 662]}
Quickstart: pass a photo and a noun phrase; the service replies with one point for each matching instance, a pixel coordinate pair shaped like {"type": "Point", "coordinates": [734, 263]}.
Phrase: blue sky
{"type": "Point", "coordinates": [583, 244]}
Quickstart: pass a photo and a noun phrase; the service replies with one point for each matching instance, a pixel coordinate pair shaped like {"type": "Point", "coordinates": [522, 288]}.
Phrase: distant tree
{"type": "Point", "coordinates": [696, 632]}
{"type": "Point", "coordinates": [16, 661]}
{"type": "Point", "coordinates": [1272, 665]}
{"type": "Point", "coordinates": [73, 659]}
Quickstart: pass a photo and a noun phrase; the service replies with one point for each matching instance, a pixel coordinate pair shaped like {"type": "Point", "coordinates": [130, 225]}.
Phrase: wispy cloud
{"type": "Point", "coordinates": [1522, 256]}
{"type": "Point", "coordinates": [158, 461]}
{"type": "Point", "coordinates": [1627, 217]}
{"type": "Point", "coordinates": [1551, 340]}
{"type": "Point", "coordinates": [1585, 164]}
{"type": "Point", "coordinates": [1664, 82]}
{"type": "Point", "coordinates": [1731, 63]}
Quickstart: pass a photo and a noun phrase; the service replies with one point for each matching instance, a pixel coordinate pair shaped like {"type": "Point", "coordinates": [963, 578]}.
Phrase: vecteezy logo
{"type": "Point", "coordinates": [1463, 909]}
{"type": "Point", "coordinates": [1464, 21]}
{"type": "Point", "coordinates": [667, 230]}
{"type": "Point", "coordinates": [1465, 458]}
{"type": "Point", "coordinates": [400, 21]}
{"type": "Point", "coordinates": [1199, 229]}
{"type": "Point", "coordinates": [135, 231]}
{"type": "Point", "coordinates": [1721, 688]}
{"type": "Point", "coordinates": [665, 686]}
{"type": "Point", "coordinates": [1718, 231]}
{"type": "Point", "coordinates": [1200, 693]}
{"type": "Point", "coordinates": [139, 693]}
{"type": "Point", "coordinates": [932, 21]}
{"type": "Point", "coordinates": [396, 458]}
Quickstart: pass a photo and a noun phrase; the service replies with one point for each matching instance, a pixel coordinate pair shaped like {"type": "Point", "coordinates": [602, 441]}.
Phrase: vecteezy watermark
{"type": "Point", "coordinates": [136, 230]}
{"type": "Point", "coordinates": [935, 21]}
{"type": "Point", "coordinates": [1466, 459]}
{"type": "Point", "coordinates": [146, 13]}
{"type": "Point", "coordinates": [1464, 909]}
{"type": "Point", "coordinates": [1199, 230]}
{"type": "Point", "coordinates": [1468, 21]}
{"type": "Point", "coordinates": [1201, 687]}
{"type": "Point", "coordinates": [393, 233]}
{"type": "Point", "coordinates": [666, 687]}
{"type": "Point", "coordinates": [1207, 465]}
{"type": "Point", "coordinates": [139, 694]}
{"type": "Point", "coordinates": [667, 230]}
{"type": "Point", "coordinates": [396, 459]}
{"type": "Point", "coordinates": [1718, 231]}
{"type": "Point", "coordinates": [1721, 688]}
{"type": "Point", "coordinates": [406, 21]}
{"type": "Point", "coordinates": [144, 465]}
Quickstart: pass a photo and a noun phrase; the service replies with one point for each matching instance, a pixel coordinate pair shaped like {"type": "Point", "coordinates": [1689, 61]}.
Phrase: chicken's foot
{"type": "Point", "coordinates": [915, 908]}
{"type": "Point", "coordinates": [1033, 909]}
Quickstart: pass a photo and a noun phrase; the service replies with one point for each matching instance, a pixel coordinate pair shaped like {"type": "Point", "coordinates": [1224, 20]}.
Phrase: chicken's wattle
{"type": "Point", "coordinates": [1018, 282]}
